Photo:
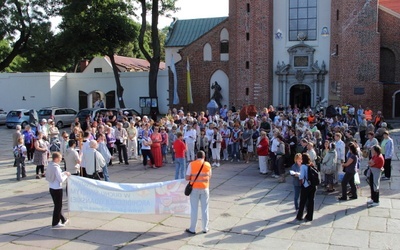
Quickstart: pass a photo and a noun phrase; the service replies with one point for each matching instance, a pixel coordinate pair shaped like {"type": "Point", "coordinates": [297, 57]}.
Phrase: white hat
{"type": "Point", "coordinates": [49, 120]}
{"type": "Point", "coordinates": [126, 113]}
{"type": "Point", "coordinates": [44, 120]}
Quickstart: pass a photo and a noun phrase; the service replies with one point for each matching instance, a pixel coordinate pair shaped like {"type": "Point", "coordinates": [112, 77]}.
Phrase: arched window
{"type": "Point", "coordinates": [387, 66]}
{"type": "Point", "coordinates": [207, 52]}
{"type": "Point", "coordinates": [224, 45]}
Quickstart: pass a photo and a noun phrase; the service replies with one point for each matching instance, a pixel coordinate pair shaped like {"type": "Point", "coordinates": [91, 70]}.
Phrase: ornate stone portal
{"type": "Point", "coordinates": [302, 81]}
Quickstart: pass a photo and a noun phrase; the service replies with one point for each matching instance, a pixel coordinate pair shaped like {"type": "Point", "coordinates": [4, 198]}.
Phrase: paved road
{"type": "Point", "coordinates": [247, 210]}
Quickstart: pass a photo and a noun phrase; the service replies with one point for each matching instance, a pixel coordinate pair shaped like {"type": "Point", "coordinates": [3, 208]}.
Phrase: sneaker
{"type": "Point", "coordinates": [383, 178]}
{"type": "Point", "coordinates": [59, 225]}
{"type": "Point", "coordinates": [205, 231]}
{"type": "Point", "coordinates": [213, 164]}
{"type": "Point", "coordinates": [37, 177]}
{"type": "Point", "coordinates": [342, 199]}
{"type": "Point", "coordinates": [374, 204]}
{"type": "Point", "coordinates": [370, 202]}
{"type": "Point", "coordinates": [66, 222]}
{"type": "Point", "coordinates": [217, 164]}
{"type": "Point", "coordinates": [232, 160]}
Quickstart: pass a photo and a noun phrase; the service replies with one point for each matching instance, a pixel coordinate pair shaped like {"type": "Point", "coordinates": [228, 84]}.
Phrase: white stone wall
{"type": "Point", "coordinates": [62, 89]}
{"type": "Point", "coordinates": [321, 45]}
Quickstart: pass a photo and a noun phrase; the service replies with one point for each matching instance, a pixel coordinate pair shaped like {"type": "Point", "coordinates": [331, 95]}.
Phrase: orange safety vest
{"type": "Point", "coordinates": [203, 181]}
{"type": "Point", "coordinates": [368, 115]}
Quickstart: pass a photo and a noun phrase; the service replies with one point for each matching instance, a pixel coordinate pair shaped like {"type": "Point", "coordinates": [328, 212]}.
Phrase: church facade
{"type": "Point", "coordinates": [291, 52]}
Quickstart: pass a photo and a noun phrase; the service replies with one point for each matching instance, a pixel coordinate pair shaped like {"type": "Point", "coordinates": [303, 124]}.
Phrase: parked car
{"type": "Point", "coordinates": [129, 112]}
{"type": "Point", "coordinates": [21, 117]}
{"type": "Point", "coordinates": [92, 112]}
{"type": "Point", "coordinates": [61, 116]}
{"type": "Point", "coordinates": [3, 116]}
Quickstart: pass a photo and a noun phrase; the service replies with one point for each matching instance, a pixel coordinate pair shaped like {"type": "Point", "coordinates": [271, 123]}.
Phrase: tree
{"type": "Point", "coordinates": [158, 7]}
{"type": "Point", "coordinates": [93, 27]}
{"type": "Point", "coordinates": [19, 21]}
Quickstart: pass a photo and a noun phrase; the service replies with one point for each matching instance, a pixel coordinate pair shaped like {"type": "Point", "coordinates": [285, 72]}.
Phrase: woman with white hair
{"type": "Point", "coordinates": [92, 160]}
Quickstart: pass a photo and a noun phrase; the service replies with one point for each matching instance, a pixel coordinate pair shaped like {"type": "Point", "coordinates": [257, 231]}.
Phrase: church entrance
{"type": "Point", "coordinates": [300, 94]}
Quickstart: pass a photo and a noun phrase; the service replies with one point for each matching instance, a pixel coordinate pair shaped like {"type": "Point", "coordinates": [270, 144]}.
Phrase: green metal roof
{"type": "Point", "coordinates": [184, 32]}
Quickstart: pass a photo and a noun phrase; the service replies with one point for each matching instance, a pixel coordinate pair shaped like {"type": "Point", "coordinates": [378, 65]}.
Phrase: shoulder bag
{"type": "Point", "coordinates": [96, 175]}
{"type": "Point", "coordinates": [189, 186]}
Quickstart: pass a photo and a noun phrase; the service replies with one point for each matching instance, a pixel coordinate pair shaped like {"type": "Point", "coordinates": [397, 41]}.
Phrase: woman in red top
{"type": "Point", "coordinates": [156, 147]}
{"type": "Point", "coordinates": [376, 166]}
{"type": "Point", "coordinates": [262, 152]}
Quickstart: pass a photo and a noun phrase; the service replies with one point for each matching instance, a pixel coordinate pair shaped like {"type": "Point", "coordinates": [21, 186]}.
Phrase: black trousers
{"type": "Point", "coordinates": [388, 168]}
{"type": "Point", "coordinates": [147, 153]}
{"type": "Point", "coordinates": [122, 151]}
{"type": "Point", "coordinates": [348, 178]}
{"type": "Point", "coordinates": [307, 195]}
{"type": "Point", "coordinates": [57, 196]}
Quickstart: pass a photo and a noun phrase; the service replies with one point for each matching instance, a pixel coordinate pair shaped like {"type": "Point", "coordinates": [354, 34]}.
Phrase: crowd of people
{"type": "Point", "coordinates": [279, 139]}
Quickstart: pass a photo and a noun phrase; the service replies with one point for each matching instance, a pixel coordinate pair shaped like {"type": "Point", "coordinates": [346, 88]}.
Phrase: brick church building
{"type": "Point", "coordinates": [291, 52]}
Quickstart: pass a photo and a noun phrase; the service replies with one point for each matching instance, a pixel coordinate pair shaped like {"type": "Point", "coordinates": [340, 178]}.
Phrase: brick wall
{"type": "Point", "coordinates": [257, 21]}
{"type": "Point", "coordinates": [354, 30]}
{"type": "Point", "coordinates": [201, 71]}
{"type": "Point", "coordinates": [390, 39]}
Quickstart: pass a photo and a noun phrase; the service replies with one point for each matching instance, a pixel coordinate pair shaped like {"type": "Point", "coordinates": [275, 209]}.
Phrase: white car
{"type": "Point", "coordinates": [3, 116]}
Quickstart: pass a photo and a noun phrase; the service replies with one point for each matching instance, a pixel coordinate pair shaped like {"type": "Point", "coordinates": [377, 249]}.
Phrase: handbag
{"type": "Point", "coordinates": [96, 174]}
{"type": "Point", "coordinates": [189, 186]}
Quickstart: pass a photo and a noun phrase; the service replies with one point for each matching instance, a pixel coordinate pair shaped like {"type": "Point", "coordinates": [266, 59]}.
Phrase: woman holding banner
{"type": "Point", "coordinates": [55, 178]}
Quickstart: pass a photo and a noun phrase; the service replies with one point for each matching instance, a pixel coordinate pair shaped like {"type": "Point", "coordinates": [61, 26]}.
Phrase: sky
{"type": "Point", "coordinates": [191, 9]}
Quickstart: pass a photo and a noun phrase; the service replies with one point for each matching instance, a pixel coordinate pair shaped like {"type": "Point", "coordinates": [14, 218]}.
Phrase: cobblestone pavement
{"type": "Point", "coordinates": [247, 211]}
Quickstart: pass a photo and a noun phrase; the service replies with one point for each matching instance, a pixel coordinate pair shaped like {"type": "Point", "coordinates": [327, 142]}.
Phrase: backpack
{"type": "Point", "coordinates": [17, 152]}
{"type": "Point", "coordinates": [314, 178]}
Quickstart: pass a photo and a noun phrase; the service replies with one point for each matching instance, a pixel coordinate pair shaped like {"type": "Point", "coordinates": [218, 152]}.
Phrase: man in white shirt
{"type": "Point", "coordinates": [122, 137]}
{"type": "Point", "coordinates": [274, 149]}
{"type": "Point", "coordinates": [190, 139]}
{"type": "Point", "coordinates": [340, 147]}
{"type": "Point", "coordinates": [92, 160]}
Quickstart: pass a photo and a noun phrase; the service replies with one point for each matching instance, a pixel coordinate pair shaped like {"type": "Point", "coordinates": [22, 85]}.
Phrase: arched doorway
{"type": "Point", "coordinates": [222, 78]}
{"type": "Point", "coordinates": [396, 104]}
{"type": "Point", "coordinates": [300, 94]}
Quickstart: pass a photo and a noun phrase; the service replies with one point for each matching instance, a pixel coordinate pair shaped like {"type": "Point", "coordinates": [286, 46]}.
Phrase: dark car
{"type": "Point", "coordinates": [129, 112]}
{"type": "Point", "coordinates": [92, 112]}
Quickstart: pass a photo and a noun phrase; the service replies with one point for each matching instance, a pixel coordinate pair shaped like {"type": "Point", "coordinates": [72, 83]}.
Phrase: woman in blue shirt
{"type": "Point", "coordinates": [307, 193]}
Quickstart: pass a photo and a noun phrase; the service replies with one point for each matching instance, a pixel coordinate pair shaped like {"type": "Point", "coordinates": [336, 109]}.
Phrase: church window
{"type": "Point", "coordinates": [247, 36]}
{"type": "Point", "coordinates": [248, 8]}
{"type": "Point", "coordinates": [302, 19]}
{"type": "Point", "coordinates": [224, 47]}
{"type": "Point", "coordinates": [207, 52]}
{"type": "Point", "coordinates": [247, 64]}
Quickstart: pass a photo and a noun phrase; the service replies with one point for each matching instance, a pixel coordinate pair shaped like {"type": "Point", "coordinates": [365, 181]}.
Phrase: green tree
{"type": "Point", "coordinates": [155, 8]}
{"type": "Point", "coordinates": [98, 27]}
{"type": "Point", "coordinates": [19, 21]}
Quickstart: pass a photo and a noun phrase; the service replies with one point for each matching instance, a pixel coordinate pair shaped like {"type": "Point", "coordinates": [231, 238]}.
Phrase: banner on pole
{"type": "Point", "coordinates": [88, 195]}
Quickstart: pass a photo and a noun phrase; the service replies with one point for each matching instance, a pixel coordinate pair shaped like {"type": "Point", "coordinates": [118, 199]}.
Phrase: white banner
{"type": "Point", "coordinates": [108, 197]}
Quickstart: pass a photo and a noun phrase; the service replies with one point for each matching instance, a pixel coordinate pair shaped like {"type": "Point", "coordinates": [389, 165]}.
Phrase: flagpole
{"type": "Point", "coordinates": [188, 83]}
